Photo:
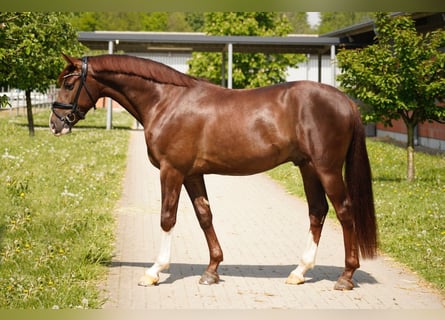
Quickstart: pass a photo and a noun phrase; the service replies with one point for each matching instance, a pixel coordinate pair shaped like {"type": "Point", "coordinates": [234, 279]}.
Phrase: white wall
{"type": "Point", "coordinates": [309, 70]}
{"type": "Point", "coordinates": [306, 71]}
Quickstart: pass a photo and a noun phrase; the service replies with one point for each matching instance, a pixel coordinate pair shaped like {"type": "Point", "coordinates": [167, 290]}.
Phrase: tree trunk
{"type": "Point", "coordinates": [29, 113]}
{"type": "Point", "coordinates": [410, 174]}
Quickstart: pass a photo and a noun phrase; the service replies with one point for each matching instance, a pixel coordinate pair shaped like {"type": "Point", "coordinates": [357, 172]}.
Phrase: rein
{"type": "Point", "coordinates": [75, 113]}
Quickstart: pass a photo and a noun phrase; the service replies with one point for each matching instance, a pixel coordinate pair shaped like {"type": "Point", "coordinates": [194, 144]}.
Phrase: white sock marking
{"type": "Point", "coordinates": [163, 260]}
{"type": "Point", "coordinates": [307, 260]}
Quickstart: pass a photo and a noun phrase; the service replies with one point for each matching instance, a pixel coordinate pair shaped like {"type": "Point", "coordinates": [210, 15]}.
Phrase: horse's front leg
{"type": "Point", "coordinates": [171, 182]}
{"type": "Point", "coordinates": [197, 192]}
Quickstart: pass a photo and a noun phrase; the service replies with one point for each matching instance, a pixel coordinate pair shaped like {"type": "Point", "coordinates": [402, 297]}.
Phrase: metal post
{"type": "Point", "coordinates": [223, 69]}
{"type": "Point", "coordinates": [230, 63]}
{"type": "Point", "coordinates": [320, 57]}
{"type": "Point", "coordinates": [110, 102]}
{"type": "Point", "coordinates": [333, 66]}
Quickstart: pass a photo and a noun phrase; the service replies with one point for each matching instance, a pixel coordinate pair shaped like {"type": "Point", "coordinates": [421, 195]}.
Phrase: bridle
{"type": "Point", "coordinates": [75, 113]}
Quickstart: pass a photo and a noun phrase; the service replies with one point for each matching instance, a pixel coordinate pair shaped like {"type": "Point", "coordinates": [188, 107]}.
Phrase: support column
{"type": "Point", "coordinates": [110, 102]}
{"type": "Point", "coordinates": [223, 68]}
{"type": "Point", "coordinates": [320, 57]}
{"type": "Point", "coordinates": [230, 64]}
{"type": "Point", "coordinates": [333, 67]}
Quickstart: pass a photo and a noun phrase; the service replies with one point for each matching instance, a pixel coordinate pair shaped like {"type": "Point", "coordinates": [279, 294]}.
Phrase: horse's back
{"type": "Point", "coordinates": [264, 127]}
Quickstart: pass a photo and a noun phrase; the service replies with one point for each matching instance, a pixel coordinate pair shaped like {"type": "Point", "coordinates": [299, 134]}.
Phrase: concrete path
{"type": "Point", "coordinates": [262, 231]}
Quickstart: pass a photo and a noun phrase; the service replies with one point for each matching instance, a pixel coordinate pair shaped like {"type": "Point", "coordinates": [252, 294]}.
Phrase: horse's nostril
{"type": "Point", "coordinates": [53, 127]}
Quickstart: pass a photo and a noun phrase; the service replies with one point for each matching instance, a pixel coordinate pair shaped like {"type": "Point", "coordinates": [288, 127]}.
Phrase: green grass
{"type": "Point", "coordinates": [57, 197]}
{"type": "Point", "coordinates": [411, 216]}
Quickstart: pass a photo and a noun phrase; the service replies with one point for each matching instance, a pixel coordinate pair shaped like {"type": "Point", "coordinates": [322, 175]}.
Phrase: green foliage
{"type": "Point", "coordinates": [331, 21]}
{"type": "Point", "coordinates": [31, 44]}
{"type": "Point", "coordinates": [411, 216]}
{"type": "Point", "coordinates": [195, 20]}
{"type": "Point", "coordinates": [163, 21]}
{"type": "Point", "coordinates": [4, 101]}
{"type": "Point", "coordinates": [403, 75]}
{"type": "Point", "coordinates": [31, 47]}
{"type": "Point", "coordinates": [138, 21]}
{"type": "Point", "coordinates": [57, 198]}
{"type": "Point", "coordinates": [249, 70]}
{"type": "Point", "coordinates": [120, 21]}
{"type": "Point", "coordinates": [299, 23]}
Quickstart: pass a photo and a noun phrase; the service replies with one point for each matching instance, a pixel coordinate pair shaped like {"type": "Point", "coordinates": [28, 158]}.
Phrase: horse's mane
{"type": "Point", "coordinates": [141, 67]}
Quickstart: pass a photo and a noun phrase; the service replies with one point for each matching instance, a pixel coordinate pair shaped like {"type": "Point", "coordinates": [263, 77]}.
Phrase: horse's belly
{"type": "Point", "coordinates": [243, 162]}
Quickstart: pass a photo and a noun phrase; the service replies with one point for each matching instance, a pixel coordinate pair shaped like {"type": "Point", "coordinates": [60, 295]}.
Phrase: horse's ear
{"type": "Point", "coordinates": [69, 59]}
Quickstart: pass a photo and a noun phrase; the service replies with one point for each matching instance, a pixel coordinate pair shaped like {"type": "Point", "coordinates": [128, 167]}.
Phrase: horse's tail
{"type": "Point", "coordinates": [358, 180]}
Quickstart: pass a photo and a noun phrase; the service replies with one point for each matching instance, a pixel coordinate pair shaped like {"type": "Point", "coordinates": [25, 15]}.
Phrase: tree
{"type": "Point", "coordinates": [137, 21]}
{"type": "Point", "coordinates": [331, 21]}
{"type": "Point", "coordinates": [120, 21]}
{"type": "Point", "coordinates": [177, 21]}
{"type": "Point", "coordinates": [195, 20]}
{"type": "Point", "coordinates": [299, 23]}
{"type": "Point", "coordinates": [249, 70]}
{"type": "Point", "coordinates": [30, 51]}
{"type": "Point", "coordinates": [401, 76]}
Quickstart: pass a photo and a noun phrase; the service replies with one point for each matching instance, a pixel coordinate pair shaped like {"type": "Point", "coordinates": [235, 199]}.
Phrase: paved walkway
{"type": "Point", "coordinates": [262, 231]}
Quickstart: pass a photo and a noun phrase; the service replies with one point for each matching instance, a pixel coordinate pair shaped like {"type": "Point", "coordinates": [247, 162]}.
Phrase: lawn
{"type": "Point", "coordinates": [411, 216]}
{"type": "Point", "coordinates": [57, 197]}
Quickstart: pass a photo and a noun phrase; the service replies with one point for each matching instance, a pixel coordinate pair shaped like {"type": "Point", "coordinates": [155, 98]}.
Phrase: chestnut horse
{"type": "Point", "coordinates": [193, 128]}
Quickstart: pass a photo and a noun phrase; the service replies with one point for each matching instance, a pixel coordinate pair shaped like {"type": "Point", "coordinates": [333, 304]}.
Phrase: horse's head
{"type": "Point", "coordinates": [75, 97]}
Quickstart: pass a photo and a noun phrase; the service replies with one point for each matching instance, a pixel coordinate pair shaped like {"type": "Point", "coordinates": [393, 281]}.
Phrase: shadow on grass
{"type": "Point", "coordinates": [387, 179]}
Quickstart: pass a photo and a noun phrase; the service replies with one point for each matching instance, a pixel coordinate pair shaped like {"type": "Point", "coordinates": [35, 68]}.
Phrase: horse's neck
{"type": "Point", "coordinates": [133, 96]}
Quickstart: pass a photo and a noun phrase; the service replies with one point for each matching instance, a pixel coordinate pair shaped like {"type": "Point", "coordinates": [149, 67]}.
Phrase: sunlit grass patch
{"type": "Point", "coordinates": [56, 221]}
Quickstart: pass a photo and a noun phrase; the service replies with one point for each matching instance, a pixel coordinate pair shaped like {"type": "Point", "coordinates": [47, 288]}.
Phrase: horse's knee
{"type": "Point", "coordinates": [168, 221]}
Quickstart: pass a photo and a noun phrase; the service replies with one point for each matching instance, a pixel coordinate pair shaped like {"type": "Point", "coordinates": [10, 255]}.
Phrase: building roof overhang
{"type": "Point", "coordinates": [199, 42]}
{"type": "Point", "coordinates": [355, 36]}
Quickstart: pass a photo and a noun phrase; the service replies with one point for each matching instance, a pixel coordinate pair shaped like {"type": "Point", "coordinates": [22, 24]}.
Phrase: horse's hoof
{"type": "Point", "coordinates": [147, 281]}
{"type": "Point", "coordinates": [294, 279]}
{"type": "Point", "coordinates": [344, 284]}
{"type": "Point", "coordinates": [209, 278]}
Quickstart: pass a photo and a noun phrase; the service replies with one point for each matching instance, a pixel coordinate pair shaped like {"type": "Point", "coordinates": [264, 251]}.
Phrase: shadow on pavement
{"type": "Point", "coordinates": [178, 271]}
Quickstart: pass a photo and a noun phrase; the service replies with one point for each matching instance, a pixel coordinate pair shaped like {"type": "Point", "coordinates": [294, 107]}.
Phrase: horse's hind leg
{"type": "Point", "coordinates": [336, 191]}
{"type": "Point", "coordinates": [197, 192]}
{"type": "Point", "coordinates": [318, 208]}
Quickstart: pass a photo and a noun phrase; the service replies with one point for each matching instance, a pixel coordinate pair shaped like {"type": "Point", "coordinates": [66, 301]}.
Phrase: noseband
{"type": "Point", "coordinates": [75, 113]}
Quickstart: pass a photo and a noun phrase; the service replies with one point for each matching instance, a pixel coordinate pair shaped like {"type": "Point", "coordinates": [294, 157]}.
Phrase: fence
{"type": "Point", "coordinates": [17, 100]}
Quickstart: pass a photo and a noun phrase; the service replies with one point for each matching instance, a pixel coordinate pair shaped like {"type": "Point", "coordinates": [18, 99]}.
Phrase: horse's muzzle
{"type": "Point", "coordinates": [57, 126]}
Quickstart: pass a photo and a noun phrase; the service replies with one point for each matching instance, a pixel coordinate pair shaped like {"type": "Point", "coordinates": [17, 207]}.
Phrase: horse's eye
{"type": "Point", "coordinates": [68, 86]}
